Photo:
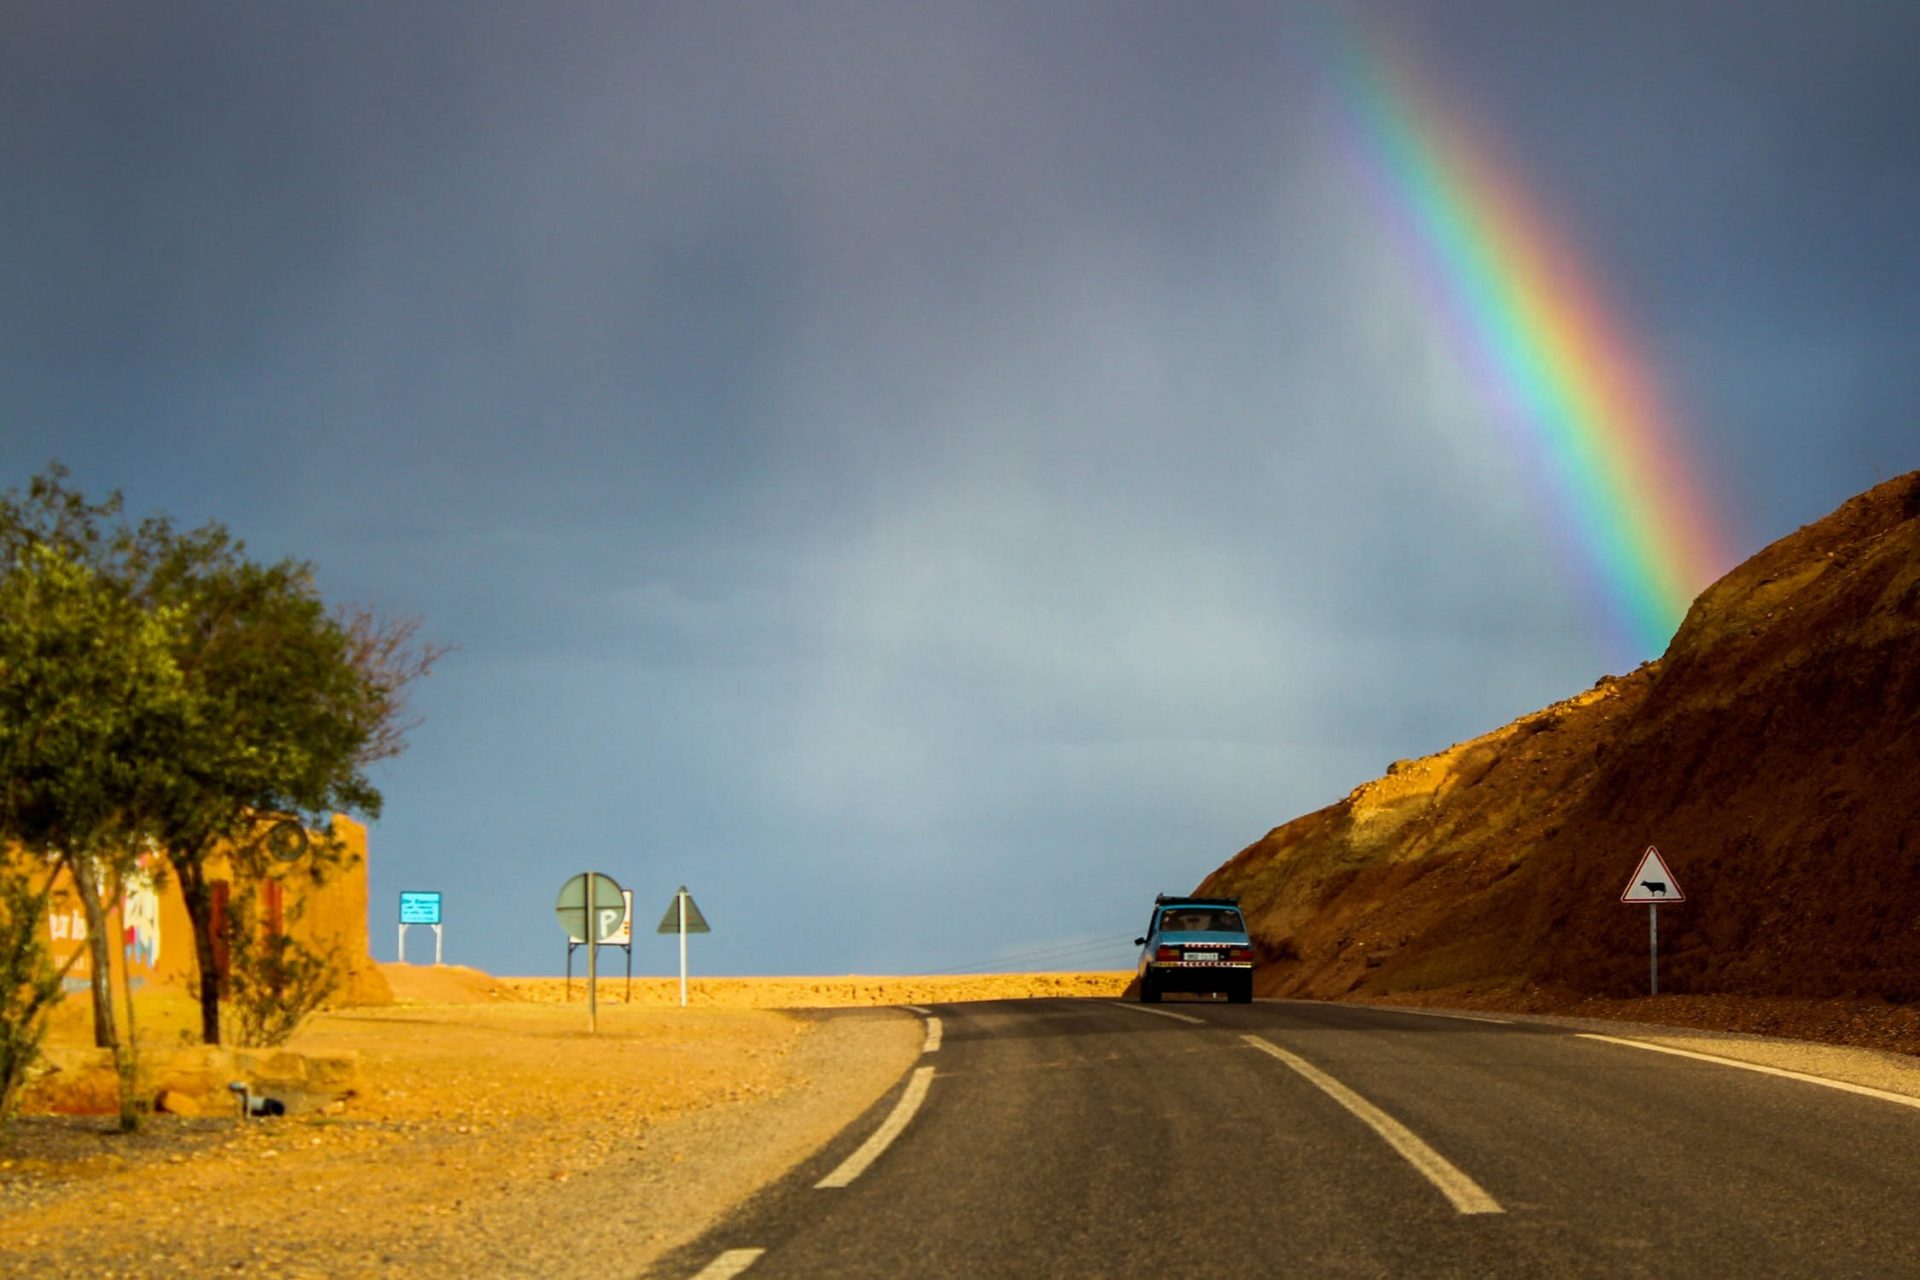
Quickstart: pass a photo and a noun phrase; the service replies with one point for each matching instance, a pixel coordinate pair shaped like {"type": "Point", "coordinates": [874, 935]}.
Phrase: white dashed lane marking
{"type": "Point", "coordinates": [729, 1264]}
{"type": "Point", "coordinates": [870, 1150]}
{"type": "Point", "coordinates": [933, 1036]}
{"type": "Point", "coordinates": [1163, 1013]}
{"type": "Point", "coordinates": [1463, 1192]}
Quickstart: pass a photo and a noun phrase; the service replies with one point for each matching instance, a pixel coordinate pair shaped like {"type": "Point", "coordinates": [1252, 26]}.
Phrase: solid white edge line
{"type": "Point", "coordinates": [1434, 1013]}
{"type": "Point", "coordinates": [1865, 1090]}
{"type": "Point", "coordinates": [1466, 1195]}
{"type": "Point", "coordinates": [932, 1044]}
{"type": "Point", "coordinates": [1164, 1013]}
{"type": "Point", "coordinates": [856, 1164]}
{"type": "Point", "coordinates": [729, 1264]}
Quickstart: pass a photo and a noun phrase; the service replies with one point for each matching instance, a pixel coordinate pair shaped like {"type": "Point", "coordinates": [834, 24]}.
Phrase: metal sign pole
{"type": "Point", "coordinates": [593, 990]}
{"type": "Point", "coordinates": [437, 939]}
{"type": "Point", "coordinates": [683, 917]}
{"type": "Point", "coordinates": [403, 944]}
{"type": "Point", "coordinates": [1653, 944]}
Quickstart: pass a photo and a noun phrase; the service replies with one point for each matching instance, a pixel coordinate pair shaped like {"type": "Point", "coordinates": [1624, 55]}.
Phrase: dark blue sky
{"type": "Point", "coordinates": [926, 477]}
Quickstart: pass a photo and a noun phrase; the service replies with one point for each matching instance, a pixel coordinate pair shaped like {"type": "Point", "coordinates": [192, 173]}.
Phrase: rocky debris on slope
{"type": "Point", "coordinates": [1773, 754]}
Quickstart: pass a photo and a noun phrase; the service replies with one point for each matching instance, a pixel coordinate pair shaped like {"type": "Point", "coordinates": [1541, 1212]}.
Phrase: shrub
{"type": "Point", "coordinates": [29, 984]}
{"type": "Point", "coordinates": [273, 980]}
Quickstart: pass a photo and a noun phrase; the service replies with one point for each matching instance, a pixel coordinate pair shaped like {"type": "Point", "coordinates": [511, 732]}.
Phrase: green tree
{"type": "Point", "coordinates": [278, 707]}
{"type": "Point", "coordinates": [88, 691]}
{"type": "Point", "coordinates": [287, 705]}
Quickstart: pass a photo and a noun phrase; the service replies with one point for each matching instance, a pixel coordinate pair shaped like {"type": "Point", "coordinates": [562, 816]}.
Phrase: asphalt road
{"type": "Point", "coordinates": [1088, 1138]}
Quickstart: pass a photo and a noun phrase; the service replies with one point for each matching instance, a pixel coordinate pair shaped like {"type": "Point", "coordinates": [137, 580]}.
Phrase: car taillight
{"type": "Point", "coordinates": [1243, 955]}
{"type": "Point", "coordinates": [1167, 953]}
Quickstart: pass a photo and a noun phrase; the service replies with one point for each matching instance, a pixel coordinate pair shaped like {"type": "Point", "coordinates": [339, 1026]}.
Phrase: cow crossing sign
{"type": "Point", "coordinates": [1652, 886]}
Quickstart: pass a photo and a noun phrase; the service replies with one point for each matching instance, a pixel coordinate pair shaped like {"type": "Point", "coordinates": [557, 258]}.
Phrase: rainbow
{"type": "Point", "coordinates": [1574, 394]}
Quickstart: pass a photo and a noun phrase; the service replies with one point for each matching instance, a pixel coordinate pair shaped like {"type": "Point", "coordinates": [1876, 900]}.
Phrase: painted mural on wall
{"type": "Point", "coordinates": [137, 919]}
{"type": "Point", "coordinates": [140, 914]}
{"type": "Point", "coordinates": [155, 935]}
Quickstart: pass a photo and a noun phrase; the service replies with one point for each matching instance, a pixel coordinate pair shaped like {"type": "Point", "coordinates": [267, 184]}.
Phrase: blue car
{"type": "Point", "coordinates": [1198, 945]}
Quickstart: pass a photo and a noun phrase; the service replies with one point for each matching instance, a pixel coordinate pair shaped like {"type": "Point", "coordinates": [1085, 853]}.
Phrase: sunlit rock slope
{"type": "Point", "coordinates": [1773, 755]}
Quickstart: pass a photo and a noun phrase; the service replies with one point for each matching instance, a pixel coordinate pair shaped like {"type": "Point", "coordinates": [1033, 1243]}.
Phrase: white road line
{"type": "Point", "coordinates": [917, 1009]}
{"type": "Point", "coordinates": [1466, 1195]}
{"type": "Point", "coordinates": [1866, 1090]}
{"type": "Point", "coordinates": [729, 1264]}
{"type": "Point", "coordinates": [1434, 1013]}
{"type": "Point", "coordinates": [933, 1036]}
{"type": "Point", "coordinates": [1164, 1013]}
{"type": "Point", "coordinates": [856, 1164]}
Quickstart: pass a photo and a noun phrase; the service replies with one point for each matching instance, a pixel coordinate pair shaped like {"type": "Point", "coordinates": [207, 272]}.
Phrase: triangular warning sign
{"type": "Point", "coordinates": [1652, 883]}
{"type": "Point", "coordinates": [670, 922]}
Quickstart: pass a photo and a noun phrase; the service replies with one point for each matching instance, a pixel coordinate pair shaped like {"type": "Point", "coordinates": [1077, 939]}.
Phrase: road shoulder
{"type": "Point", "coordinates": [1873, 1068]}
{"type": "Point", "coordinates": [704, 1164]}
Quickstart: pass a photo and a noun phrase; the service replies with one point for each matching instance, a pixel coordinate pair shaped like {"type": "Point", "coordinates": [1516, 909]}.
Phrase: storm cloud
{"type": "Point", "coordinates": [926, 478]}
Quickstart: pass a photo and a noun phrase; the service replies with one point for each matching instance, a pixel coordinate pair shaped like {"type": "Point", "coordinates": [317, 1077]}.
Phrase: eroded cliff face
{"type": "Point", "coordinates": [1773, 755]}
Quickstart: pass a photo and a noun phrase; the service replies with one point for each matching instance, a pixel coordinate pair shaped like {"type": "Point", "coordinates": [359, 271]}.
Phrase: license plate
{"type": "Point", "coordinates": [1203, 955]}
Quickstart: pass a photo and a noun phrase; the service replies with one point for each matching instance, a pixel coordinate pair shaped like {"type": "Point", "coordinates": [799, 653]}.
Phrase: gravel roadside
{"type": "Point", "coordinates": [488, 1142]}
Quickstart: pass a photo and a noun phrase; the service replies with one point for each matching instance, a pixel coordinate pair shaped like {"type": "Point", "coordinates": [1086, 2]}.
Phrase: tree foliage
{"type": "Point", "coordinates": [237, 698]}
{"type": "Point", "coordinates": [284, 711]}
{"type": "Point", "coordinates": [89, 695]}
{"type": "Point", "coordinates": [274, 980]}
{"type": "Point", "coordinates": [88, 692]}
{"type": "Point", "coordinates": [29, 984]}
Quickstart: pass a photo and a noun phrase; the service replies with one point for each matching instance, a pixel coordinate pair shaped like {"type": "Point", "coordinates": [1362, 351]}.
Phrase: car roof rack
{"type": "Point", "coordinates": [1162, 899]}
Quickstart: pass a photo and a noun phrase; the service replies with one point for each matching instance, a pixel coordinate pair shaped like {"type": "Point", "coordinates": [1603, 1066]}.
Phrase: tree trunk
{"type": "Point", "coordinates": [199, 899]}
{"type": "Point", "coordinates": [100, 953]}
{"type": "Point", "coordinates": [131, 1104]}
{"type": "Point", "coordinates": [100, 949]}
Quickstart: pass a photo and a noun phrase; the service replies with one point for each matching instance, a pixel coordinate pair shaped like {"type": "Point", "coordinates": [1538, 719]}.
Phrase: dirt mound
{"type": "Point", "coordinates": [1773, 754]}
{"type": "Point", "coordinates": [444, 984]}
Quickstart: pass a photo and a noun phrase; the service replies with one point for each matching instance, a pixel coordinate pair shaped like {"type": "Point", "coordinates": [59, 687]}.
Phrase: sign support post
{"type": "Point", "coordinates": [588, 908]}
{"type": "Point", "coordinates": [1653, 945]}
{"type": "Point", "coordinates": [419, 907]}
{"type": "Point", "coordinates": [683, 917]}
{"type": "Point", "coordinates": [1653, 884]}
{"type": "Point", "coordinates": [593, 948]}
{"type": "Point", "coordinates": [680, 900]}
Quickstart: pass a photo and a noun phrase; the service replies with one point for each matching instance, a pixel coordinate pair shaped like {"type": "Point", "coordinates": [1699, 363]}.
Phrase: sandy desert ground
{"type": "Point", "coordinates": [490, 1133]}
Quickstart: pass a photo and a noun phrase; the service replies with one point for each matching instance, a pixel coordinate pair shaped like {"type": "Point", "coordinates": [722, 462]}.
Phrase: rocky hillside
{"type": "Point", "coordinates": [1773, 755]}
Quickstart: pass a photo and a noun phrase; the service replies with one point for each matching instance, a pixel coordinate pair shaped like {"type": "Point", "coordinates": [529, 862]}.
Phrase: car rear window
{"type": "Point", "coordinates": [1200, 920]}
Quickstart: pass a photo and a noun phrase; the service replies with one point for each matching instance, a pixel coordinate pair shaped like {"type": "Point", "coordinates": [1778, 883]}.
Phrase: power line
{"type": "Point", "coordinates": [1115, 944]}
